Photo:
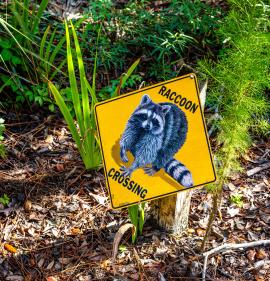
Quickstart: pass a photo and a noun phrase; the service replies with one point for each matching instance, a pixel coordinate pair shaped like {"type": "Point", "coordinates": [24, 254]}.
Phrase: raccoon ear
{"type": "Point", "coordinates": [165, 109]}
{"type": "Point", "coordinates": [145, 99]}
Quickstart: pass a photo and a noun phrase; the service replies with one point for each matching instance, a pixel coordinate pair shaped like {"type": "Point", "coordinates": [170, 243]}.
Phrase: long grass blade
{"type": "Point", "coordinates": [43, 41]}
{"type": "Point", "coordinates": [125, 77]}
{"type": "Point", "coordinates": [92, 92]}
{"type": "Point", "coordinates": [58, 69]}
{"type": "Point", "coordinates": [141, 217]}
{"type": "Point", "coordinates": [57, 49]}
{"type": "Point", "coordinates": [6, 26]}
{"type": "Point", "coordinates": [49, 48]}
{"type": "Point", "coordinates": [133, 214]}
{"type": "Point", "coordinates": [26, 10]}
{"type": "Point", "coordinates": [85, 100]}
{"type": "Point", "coordinates": [42, 60]}
{"type": "Point", "coordinates": [61, 104]}
{"type": "Point", "coordinates": [73, 84]}
{"type": "Point", "coordinates": [38, 16]}
{"type": "Point", "coordinates": [17, 9]}
{"type": "Point", "coordinates": [95, 62]}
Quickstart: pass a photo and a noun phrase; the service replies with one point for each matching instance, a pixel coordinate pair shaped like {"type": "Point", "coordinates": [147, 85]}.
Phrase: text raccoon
{"type": "Point", "coordinates": [126, 182]}
{"type": "Point", "coordinates": [178, 99]}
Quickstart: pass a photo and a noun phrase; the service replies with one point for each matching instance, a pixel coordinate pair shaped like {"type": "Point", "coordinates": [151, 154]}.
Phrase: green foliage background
{"type": "Point", "coordinates": [240, 80]}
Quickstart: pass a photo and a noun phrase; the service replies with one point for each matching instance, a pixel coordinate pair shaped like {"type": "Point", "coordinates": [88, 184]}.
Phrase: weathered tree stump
{"type": "Point", "coordinates": [172, 212]}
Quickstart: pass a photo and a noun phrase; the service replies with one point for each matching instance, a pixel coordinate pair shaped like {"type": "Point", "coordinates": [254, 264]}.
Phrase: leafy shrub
{"type": "Point", "coordinates": [27, 59]}
{"type": "Point", "coordinates": [240, 79]}
{"type": "Point", "coordinates": [130, 31]}
{"type": "Point", "coordinates": [162, 37]}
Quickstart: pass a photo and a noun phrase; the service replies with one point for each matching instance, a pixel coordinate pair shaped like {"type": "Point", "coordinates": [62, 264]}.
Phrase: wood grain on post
{"type": "Point", "coordinates": [172, 212]}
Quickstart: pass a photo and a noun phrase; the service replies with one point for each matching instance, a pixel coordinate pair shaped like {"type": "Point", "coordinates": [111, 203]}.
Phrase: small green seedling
{"type": "Point", "coordinates": [4, 200]}
{"type": "Point", "coordinates": [122, 248]}
{"type": "Point", "coordinates": [237, 199]}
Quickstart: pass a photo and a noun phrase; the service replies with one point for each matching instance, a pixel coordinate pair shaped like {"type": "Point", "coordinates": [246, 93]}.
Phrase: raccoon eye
{"type": "Point", "coordinates": [155, 122]}
{"type": "Point", "coordinates": [142, 116]}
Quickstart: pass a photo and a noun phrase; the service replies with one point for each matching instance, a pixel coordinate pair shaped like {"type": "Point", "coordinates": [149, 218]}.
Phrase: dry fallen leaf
{"type": "Point", "coordinates": [41, 262]}
{"type": "Point", "coordinates": [51, 278]}
{"type": "Point", "coordinates": [64, 260]}
{"type": "Point", "coordinates": [251, 254]}
{"type": "Point", "coordinates": [100, 199]}
{"type": "Point", "coordinates": [105, 264]}
{"type": "Point", "coordinates": [32, 261]}
{"type": "Point", "coordinates": [191, 230]}
{"type": "Point", "coordinates": [49, 139]}
{"type": "Point", "coordinates": [27, 205]}
{"type": "Point", "coordinates": [10, 248]}
{"type": "Point", "coordinates": [232, 212]}
{"type": "Point", "coordinates": [261, 254]}
{"type": "Point", "coordinates": [60, 167]}
{"type": "Point", "coordinates": [15, 278]}
{"type": "Point", "coordinates": [50, 265]}
{"type": "Point", "coordinates": [259, 278]}
{"type": "Point", "coordinates": [200, 232]}
{"type": "Point", "coordinates": [75, 231]}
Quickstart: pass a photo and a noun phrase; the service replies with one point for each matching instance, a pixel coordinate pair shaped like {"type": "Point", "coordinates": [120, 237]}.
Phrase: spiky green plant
{"type": "Point", "coordinates": [85, 133]}
{"type": "Point", "coordinates": [20, 26]}
{"type": "Point", "coordinates": [239, 81]}
{"type": "Point", "coordinates": [137, 218]}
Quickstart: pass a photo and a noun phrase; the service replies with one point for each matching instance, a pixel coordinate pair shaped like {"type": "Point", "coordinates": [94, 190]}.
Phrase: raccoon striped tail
{"type": "Point", "coordinates": [179, 172]}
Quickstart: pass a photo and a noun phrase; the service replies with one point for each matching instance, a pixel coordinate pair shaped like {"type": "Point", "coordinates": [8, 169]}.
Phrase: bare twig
{"type": "Point", "coordinates": [230, 246]}
{"type": "Point", "coordinates": [258, 169]}
{"type": "Point", "coordinates": [118, 236]}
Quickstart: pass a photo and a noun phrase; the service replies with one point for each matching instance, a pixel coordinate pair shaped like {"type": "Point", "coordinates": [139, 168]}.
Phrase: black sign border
{"type": "Point", "coordinates": [190, 76]}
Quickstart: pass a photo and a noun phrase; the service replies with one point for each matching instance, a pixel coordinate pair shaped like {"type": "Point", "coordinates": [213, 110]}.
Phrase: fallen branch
{"type": "Point", "coordinates": [258, 169]}
{"type": "Point", "coordinates": [118, 236]}
{"type": "Point", "coordinates": [230, 246]}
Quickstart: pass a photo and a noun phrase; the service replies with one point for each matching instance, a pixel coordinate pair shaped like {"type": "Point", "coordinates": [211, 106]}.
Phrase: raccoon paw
{"type": "Point", "coordinates": [126, 172]}
{"type": "Point", "coordinates": [123, 156]}
{"type": "Point", "coordinates": [150, 171]}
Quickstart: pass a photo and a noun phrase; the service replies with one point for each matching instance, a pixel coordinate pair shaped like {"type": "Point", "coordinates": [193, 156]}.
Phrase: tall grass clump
{"type": "Point", "coordinates": [19, 31]}
{"type": "Point", "coordinates": [84, 98]}
{"type": "Point", "coordinates": [240, 79]}
{"type": "Point", "coordinates": [84, 134]}
{"type": "Point", "coordinates": [29, 54]}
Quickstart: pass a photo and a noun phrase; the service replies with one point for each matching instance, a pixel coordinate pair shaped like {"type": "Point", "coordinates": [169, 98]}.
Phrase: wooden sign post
{"type": "Point", "coordinates": [172, 212]}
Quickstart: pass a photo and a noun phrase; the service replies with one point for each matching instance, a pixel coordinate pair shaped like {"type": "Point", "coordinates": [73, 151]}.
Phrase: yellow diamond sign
{"type": "Point", "coordinates": [154, 142]}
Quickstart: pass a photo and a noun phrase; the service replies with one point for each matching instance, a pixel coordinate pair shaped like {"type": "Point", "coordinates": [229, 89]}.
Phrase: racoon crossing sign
{"type": "Point", "coordinates": [154, 142]}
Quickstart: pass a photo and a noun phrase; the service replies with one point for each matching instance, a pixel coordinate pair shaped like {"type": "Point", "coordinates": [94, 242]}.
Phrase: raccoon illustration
{"type": "Point", "coordinates": [154, 133]}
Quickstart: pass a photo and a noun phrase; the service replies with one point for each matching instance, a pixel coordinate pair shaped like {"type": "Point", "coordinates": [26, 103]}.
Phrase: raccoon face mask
{"type": "Point", "coordinates": [151, 116]}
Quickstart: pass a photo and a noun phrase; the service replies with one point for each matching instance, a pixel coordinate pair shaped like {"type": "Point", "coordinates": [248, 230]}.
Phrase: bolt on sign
{"type": "Point", "coordinates": [154, 142]}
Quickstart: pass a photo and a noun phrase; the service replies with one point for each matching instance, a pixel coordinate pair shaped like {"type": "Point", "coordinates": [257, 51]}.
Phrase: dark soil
{"type": "Point", "coordinates": [62, 228]}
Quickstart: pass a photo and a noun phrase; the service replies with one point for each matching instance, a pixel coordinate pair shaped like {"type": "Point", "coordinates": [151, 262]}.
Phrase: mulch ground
{"type": "Point", "coordinates": [59, 225]}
